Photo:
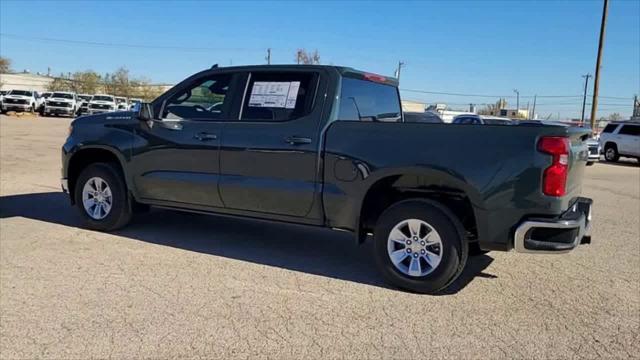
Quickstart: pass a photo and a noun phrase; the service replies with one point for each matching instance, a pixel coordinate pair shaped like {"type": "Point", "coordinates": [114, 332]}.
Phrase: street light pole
{"type": "Point", "coordinates": [596, 80]}
{"type": "Point", "coordinates": [584, 97]}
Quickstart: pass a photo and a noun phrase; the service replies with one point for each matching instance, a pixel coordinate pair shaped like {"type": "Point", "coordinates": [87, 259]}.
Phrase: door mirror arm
{"type": "Point", "coordinates": [145, 112]}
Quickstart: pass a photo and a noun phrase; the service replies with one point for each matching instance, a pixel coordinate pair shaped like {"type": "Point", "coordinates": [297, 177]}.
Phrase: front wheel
{"type": "Point", "coordinates": [420, 246]}
{"type": "Point", "coordinates": [101, 197]}
{"type": "Point", "coordinates": [611, 153]}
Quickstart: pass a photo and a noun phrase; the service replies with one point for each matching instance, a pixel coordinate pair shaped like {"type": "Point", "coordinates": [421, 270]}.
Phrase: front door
{"type": "Point", "coordinates": [269, 157]}
{"type": "Point", "coordinates": [176, 157]}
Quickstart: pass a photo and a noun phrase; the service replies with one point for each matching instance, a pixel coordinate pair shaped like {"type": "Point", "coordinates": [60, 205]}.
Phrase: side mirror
{"type": "Point", "coordinates": [145, 111]}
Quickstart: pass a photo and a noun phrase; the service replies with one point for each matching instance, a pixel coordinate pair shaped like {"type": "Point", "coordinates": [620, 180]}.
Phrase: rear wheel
{"type": "Point", "coordinates": [611, 153]}
{"type": "Point", "coordinates": [420, 246]}
{"type": "Point", "coordinates": [101, 197]}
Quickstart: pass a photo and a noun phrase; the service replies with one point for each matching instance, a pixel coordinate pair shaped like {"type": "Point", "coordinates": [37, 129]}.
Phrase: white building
{"type": "Point", "coordinates": [25, 81]}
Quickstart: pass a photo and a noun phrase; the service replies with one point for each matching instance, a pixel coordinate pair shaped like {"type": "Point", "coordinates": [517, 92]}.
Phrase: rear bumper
{"type": "Point", "coordinates": [558, 235]}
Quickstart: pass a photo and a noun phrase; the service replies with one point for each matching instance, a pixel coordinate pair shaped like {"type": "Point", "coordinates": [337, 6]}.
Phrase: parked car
{"type": "Point", "coordinates": [472, 119]}
{"type": "Point", "coordinates": [101, 103]}
{"type": "Point", "coordinates": [594, 150]}
{"type": "Point", "coordinates": [2, 94]}
{"type": "Point", "coordinates": [62, 103]}
{"type": "Point", "coordinates": [84, 103]}
{"type": "Point", "coordinates": [426, 117]}
{"type": "Point", "coordinates": [327, 146]}
{"type": "Point", "coordinates": [621, 139]}
{"type": "Point", "coordinates": [20, 100]}
{"type": "Point", "coordinates": [121, 103]}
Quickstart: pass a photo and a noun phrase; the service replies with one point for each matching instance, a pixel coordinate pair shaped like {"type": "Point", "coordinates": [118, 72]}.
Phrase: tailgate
{"type": "Point", "coordinates": [577, 159]}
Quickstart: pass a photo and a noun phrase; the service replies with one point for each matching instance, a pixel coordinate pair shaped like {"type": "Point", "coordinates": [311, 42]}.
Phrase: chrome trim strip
{"type": "Point", "coordinates": [583, 224]}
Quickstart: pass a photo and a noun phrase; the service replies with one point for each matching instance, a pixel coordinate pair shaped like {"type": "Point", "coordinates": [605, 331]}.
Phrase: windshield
{"type": "Point", "coordinates": [102, 98]}
{"type": "Point", "coordinates": [85, 97]}
{"type": "Point", "coordinates": [62, 96]}
{"type": "Point", "coordinates": [46, 95]}
{"type": "Point", "coordinates": [120, 100]}
{"type": "Point", "coordinates": [20, 92]}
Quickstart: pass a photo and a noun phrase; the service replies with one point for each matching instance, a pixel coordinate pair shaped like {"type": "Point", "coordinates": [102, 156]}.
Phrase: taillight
{"type": "Point", "coordinates": [554, 180]}
{"type": "Point", "coordinates": [375, 77]}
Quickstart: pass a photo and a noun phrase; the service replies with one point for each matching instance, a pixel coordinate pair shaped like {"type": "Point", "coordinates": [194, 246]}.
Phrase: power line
{"type": "Point", "coordinates": [124, 45]}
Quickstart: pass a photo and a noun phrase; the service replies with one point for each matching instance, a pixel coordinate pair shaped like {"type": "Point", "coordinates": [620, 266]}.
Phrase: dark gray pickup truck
{"type": "Point", "coordinates": [328, 146]}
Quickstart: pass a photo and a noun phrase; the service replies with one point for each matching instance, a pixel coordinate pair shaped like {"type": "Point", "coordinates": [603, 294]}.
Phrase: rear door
{"type": "Point", "coordinates": [269, 157]}
{"type": "Point", "coordinates": [176, 157]}
{"type": "Point", "coordinates": [629, 143]}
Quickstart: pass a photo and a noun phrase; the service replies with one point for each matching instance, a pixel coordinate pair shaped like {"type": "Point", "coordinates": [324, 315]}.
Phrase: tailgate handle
{"type": "Point", "coordinates": [297, 140]}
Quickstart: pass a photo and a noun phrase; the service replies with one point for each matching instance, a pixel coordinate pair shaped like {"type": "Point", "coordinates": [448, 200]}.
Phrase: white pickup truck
{"type": "Point", "coordinates": [20, 100]}
{"type": "Point", "coordinates": [101, 103]}
{"type": "Point", "coordinates": [121, 103]}
{"type": "Point", "coordinates": [61, 103]}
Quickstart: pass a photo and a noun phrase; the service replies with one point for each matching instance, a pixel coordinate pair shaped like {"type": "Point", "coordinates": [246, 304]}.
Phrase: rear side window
{"type": "Point", "coordinates": [362, 100]}
{"type": "Point", "coordinates": [630, 130]}
{"type": "Point", "coordinates": [279, 96]}
{"type": "Point", "coordinates": [610, 128]}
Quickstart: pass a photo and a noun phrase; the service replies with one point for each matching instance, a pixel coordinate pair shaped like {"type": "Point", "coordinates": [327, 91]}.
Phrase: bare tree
{"type": "Point", "coordinates": [5, 65]}
{"type": "Point", "coordinates": [307, 58]}
{"type": "Point", "coordinates": [60, 84]}
{"type": "Point", "coordinates": [86, 82]}
{"type": "Point", "coordinates": [615, 117]}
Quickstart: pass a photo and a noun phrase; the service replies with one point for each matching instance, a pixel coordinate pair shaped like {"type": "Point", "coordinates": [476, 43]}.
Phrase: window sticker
{"type": "Point", "coordinates": [274, 94]}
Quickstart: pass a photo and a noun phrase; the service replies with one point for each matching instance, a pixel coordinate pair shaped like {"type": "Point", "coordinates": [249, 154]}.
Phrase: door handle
{"type": "Point", "coordinates": [203, 136]}
{"type": "Point", "coordinates": [297, 140]}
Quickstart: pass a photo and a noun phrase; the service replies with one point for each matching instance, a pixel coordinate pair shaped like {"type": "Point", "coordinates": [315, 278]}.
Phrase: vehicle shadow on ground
{"type": "Point", "coordinates": [623, 163]}
{"type": "Point", "coordinates": [300, 248]}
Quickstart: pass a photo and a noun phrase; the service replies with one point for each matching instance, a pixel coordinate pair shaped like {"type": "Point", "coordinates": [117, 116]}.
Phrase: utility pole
{"type": "Point", "coordinates": [268, 58]}
{"type": "Point", "coordinates": [596, 80]}
{"type": "Point", "coordinates": [584, 97]}
{"type": "Point", "coordinates": [400, 65]}
{"type": "Point", "coordinates": [517, 99]}
{"type": "Point", "coordinates": [534, 106]}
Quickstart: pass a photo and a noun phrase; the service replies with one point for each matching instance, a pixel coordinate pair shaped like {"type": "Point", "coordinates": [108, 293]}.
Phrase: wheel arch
{"type": "Point", "coordinates": [83, 157]}
{"type": "Point", "coordinates": [447, 189]}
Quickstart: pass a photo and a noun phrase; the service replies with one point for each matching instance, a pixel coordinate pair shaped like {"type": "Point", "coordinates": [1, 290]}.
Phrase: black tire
{"type": "Point", "coordinates": [120, 213]}
{"type": "Point", "coordinates": [611, 153]}
{"type": "Point", "coordinates": [454, 246]}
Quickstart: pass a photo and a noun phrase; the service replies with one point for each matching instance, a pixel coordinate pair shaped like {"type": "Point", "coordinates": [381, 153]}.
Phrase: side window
{"type": "Point", "coordinates": [279, 96]}
{"type": "Point", "coordinates": [633, 130]}
{"type": "Point", "coordinates": [362, 100]}
{"type": "Point", "coordinates": [610, 128]}
{"type": "Point", "coordinates": [205, 99]}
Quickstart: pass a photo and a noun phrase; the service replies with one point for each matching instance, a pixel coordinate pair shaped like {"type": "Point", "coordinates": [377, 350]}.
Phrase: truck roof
{"type": "Point", "coordinates": [342, 70]}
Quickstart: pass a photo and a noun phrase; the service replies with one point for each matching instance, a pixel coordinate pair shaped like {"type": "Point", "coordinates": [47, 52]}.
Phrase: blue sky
{"type": "Point", "coordinates": [470, 47]}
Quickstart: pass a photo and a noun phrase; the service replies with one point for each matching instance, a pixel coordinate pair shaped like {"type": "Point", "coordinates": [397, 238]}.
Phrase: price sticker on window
{"type": "Point", "coordinates": [274, 94]}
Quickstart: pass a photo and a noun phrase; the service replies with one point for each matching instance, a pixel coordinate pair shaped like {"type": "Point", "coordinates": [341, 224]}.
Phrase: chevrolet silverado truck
{"type": "Point", "coordinates": [328, 146]}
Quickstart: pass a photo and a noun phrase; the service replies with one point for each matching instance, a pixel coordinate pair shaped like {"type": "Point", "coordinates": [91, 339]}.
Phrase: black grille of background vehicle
{"type": "Point", "coordinates": [593, 150]}
{"type": "Point", "coordinates": [59, 104]}
{"type": "Point", "coordinates": [16, 101]}
{"type": "Point", "coordinates": [99, 106]}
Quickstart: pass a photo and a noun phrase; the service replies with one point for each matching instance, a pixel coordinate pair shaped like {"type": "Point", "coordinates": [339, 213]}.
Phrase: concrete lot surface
{"type": "Point", "coordinates": [181, 285]}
